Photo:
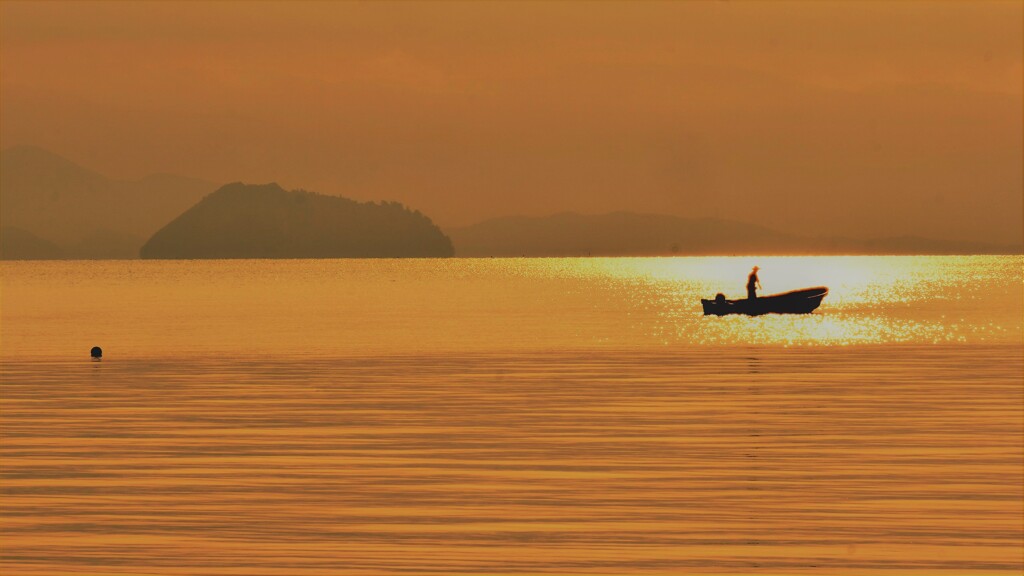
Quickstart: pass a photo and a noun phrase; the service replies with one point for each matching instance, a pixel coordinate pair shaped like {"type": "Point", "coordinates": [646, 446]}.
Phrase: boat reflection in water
{"type": "Point", "coordinates": [796, 302]}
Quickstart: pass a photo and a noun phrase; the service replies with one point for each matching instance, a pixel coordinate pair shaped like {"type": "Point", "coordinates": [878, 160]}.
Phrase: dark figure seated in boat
{"type": "Point", "coordinates": [753, 284]}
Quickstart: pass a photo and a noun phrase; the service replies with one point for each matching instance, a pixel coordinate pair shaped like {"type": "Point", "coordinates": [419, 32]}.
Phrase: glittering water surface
{"type": "Point", "coordinates": [511, 416]}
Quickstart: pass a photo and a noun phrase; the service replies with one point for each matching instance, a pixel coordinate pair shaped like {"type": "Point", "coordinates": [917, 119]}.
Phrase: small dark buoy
{"type": "Point", "coordinates": [96, 352]}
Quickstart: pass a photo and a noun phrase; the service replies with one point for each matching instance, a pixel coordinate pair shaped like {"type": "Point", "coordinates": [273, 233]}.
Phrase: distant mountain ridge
{"type": "Point", "coordinates": [79, 212]}
{"type": "Point", "coordinates": [632, 234]}
{"type": "Point", "coordinates": [52, 208]}
{"type": "Point", "coordinates": [265, 221]}
{"type": "Point", "coordinates": [24, 245]}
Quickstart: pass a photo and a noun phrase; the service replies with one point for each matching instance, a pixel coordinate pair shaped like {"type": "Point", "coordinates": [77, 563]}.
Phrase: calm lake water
{"type": "Point", "coordinates": [511, 416]}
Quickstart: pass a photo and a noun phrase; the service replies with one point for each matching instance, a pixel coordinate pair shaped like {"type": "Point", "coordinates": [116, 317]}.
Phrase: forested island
{"type": "Point", "coordinates": [265, 221]}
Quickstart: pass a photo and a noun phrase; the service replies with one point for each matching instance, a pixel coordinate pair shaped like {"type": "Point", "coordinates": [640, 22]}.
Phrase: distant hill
{"type": "Point", "coordinates": [908, 245]}
{"type": "Point", "coordinates": [265, 221]}
{"type": "Point", "coordinates": [630, 234]}
{"type": "Point", "coordinates": [24, 245]}
{"type": "Point", "coordinates": [80, 212]}
{"type": "Point", "coordinates": [615, 234]}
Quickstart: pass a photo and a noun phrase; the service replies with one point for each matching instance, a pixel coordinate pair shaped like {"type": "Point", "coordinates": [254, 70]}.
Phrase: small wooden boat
{"type": "Point", "coordinates": [795, 302]}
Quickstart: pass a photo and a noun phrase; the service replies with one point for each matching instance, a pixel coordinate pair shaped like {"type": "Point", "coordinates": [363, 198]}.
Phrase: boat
{"type": "Point", "coordinates": [795, 302]}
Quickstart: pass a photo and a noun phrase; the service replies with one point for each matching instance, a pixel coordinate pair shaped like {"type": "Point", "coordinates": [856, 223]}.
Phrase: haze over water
{"type": "Point", "coordinates": [495, 416]}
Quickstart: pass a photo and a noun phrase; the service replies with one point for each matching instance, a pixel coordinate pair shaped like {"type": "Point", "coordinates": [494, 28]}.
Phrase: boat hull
{"type": "Point", "coordinates": [796, 302]}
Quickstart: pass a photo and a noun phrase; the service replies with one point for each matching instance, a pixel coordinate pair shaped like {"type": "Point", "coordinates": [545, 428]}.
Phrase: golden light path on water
{"type": "Point", "coordinates": [337, 307]}
{"type": "Point", "coordinates": [871, 299]}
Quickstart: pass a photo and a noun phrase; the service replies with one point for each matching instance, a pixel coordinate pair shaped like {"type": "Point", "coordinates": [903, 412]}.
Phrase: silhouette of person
{"type": "Point", "coordinates": [753, 284]}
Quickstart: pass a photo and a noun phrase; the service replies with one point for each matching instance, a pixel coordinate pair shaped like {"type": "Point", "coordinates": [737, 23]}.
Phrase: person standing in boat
{"type": "Point", "coordinates": [753, 284]}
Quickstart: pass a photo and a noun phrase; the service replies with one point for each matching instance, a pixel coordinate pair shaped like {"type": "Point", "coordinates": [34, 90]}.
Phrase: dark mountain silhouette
{"type": "Point", "coordinates": [265, 221]}
{"type": "Point", "coordinates": [82, 213]}
{"type": "Point", "coordinates": [51, 207]}
{"type": "Point", "coordinates": [630, 234]}
{"type": "Point", "coordinates": [24, 245]}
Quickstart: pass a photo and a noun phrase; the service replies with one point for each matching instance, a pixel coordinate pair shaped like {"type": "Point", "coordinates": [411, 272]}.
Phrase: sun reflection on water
{"type": "Point", "coordinates": [334, 308]}
{"type": "Point", "coordinates": [926, 299]}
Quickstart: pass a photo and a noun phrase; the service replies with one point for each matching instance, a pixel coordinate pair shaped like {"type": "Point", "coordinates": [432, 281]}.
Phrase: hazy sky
{"type": "Point", "coordinates": [863, 118]}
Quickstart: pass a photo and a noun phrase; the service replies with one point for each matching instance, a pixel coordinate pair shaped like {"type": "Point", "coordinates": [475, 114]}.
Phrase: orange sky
{"type": "Point", "coordinates": [864, 119]}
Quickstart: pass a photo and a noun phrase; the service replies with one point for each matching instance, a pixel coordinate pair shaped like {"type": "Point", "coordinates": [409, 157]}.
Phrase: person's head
{"type": "Point", "coordinates": [756, 269]}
